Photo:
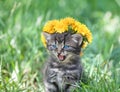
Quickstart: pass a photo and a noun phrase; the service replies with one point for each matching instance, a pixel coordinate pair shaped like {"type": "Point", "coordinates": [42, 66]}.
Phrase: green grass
{"type": "Point", "coordinates": [22, 54]}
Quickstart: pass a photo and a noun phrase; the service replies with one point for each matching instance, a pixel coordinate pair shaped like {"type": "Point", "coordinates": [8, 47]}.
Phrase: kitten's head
{"type": "Point", "coordinates": [63, 46]}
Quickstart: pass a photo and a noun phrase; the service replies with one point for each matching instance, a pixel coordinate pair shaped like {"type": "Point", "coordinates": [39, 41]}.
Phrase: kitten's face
{"type": "Point", "coordinates": [64, 45]}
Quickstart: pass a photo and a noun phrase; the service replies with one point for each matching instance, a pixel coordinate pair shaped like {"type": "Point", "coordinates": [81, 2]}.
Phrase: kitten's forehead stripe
{"type": "Point", "coordinates": [59, 38]}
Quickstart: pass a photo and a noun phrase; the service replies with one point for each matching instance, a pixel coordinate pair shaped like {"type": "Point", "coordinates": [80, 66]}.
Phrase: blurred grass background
{"type": "Point", "coordinates": [22, 54]}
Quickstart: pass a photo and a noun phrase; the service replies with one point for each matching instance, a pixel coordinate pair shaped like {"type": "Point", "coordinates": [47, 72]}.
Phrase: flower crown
{"type": "Point", "coordinates": [66, 24]}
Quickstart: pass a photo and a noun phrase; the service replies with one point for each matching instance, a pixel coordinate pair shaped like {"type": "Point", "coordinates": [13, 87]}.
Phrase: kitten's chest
{"type": "Point", "coordinates": [58, 76]}
{"type": "Point", "coordinates": [60, 73]}
{"type": "Point", "coordinates": [57, 73]}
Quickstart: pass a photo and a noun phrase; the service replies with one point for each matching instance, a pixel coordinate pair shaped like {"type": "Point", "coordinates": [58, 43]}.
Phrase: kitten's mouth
{"type": "Point", "coordinates": [61, 57]}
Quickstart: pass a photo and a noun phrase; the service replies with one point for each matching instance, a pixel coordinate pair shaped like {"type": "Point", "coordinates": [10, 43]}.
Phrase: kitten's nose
{"type": "Point", "coordinates": [59, 51]}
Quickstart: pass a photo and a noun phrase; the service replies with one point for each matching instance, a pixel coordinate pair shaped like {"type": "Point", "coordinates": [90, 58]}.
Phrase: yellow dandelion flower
{"type": "Point", "coordinates": [43, 40]}
{"type": "Point", "coordinates": [84, 44]}
{"type": "Point", "coordinates": [82, 30]}
{"type": "Point", "coordinates": [60, 27]}
{"type": "Point", "coordinates": [67, 21]}
{"type": "Point", "coordinates": [49, 27]}
{"type": "Point", "coordinates": [89, 37]}
{"type": "Point", "coordinates": [76, 25]}
{"type": "Point", "coordinates": [63, 25]}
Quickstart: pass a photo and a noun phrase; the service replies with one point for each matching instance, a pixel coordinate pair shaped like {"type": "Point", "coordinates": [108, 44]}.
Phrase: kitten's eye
{"type": "Point", "coordinates": [66, 47]}
{"type": "Point", "coordinates": [54, 46]}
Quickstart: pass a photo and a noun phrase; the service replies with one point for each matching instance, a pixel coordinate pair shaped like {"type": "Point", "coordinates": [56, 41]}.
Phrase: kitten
{"type": "Point", "coordinates": [63, 68]}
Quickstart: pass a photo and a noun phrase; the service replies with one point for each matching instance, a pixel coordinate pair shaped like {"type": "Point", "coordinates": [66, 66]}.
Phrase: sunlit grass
{"type": "Point", "coordinates": [22, 54]}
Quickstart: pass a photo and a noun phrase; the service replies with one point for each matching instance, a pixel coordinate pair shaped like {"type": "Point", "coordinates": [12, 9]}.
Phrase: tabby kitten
{"type": "Point", "coordinates": [63, 68]}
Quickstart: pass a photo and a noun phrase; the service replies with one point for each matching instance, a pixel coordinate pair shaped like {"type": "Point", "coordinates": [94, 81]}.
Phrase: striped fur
{"type": "Point", "coordinates": [63, 68]}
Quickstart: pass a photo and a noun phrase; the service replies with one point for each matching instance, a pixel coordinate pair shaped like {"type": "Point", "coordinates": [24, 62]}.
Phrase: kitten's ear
{"type": "Point", "coordinates": [77, 38]}
{"type": "Point", "coordinates": [47, 35]}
